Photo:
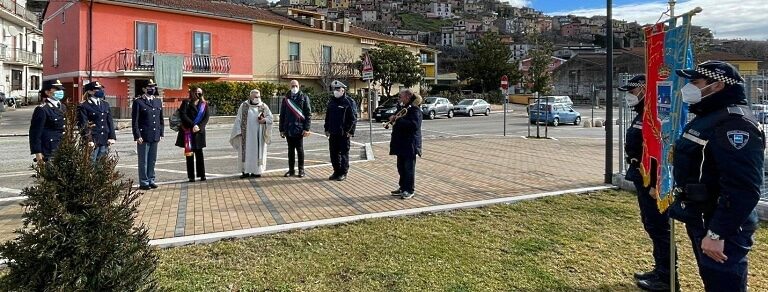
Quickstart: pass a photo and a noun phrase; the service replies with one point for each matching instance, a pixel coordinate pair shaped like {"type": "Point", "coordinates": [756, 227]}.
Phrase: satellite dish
{"type": "Point", "coordinates": [13, 31]}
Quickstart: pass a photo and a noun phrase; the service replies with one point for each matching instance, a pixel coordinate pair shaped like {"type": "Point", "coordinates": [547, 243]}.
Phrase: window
{"type": "Point", "coordinates": [34, 47]}
{"type": "Point", "coordinates": [16, 80]}
{"type": "Point", "coordinates": [56, 52]}
{"type": "Point", "coordinates": [327, 54]}
{"type": "Point", "coordinates": [34, 82]}
{"type": "Point", "coordinates": [146, 36]}
{"type": "Point", "coordinates": [201, 43]}
{"type": "Point", "coordinates": [293, 51]}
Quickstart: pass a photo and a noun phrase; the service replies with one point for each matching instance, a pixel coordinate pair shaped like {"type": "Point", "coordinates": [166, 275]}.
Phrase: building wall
{"type": "Point", "coordinates": [746, 67]}
{"type": "Point", "coordinates": [60, 31]}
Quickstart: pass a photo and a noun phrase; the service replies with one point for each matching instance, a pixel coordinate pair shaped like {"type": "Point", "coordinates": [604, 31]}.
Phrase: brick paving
{"type": "Point", "coordinates": [453, 170]}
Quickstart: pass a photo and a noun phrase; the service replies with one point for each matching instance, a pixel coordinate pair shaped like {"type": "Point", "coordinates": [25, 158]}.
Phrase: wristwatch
{"type": "Point", "coordinates": [712, 235]}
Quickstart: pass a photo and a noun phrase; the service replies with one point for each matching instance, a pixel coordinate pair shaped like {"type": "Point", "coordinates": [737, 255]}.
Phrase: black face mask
{"type": "Point", "coordinates": [150, 91]}
{"type": "Point", "coordinates": [198, 94]}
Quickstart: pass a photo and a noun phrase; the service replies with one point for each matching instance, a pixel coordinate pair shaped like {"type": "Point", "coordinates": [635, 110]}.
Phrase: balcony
{"type": "Point", "coordinates": [311, 70]}
{"type": "Point", "coordinates": [12, 7]}
{"type": "Point", "coordinates": [132, 61]}
{"type": "Point", "coordinates": [20, 57]}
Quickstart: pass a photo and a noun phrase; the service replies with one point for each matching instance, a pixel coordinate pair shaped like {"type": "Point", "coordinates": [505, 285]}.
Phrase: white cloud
{"type": "Point", "coordinates": [518, 3]}
{"type": "Point", "coordinates": [745, 19]}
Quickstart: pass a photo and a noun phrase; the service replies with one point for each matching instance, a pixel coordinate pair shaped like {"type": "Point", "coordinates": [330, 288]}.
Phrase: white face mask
{"type": "Point", "coordinates": [294, 90]}
{"type": "Point", "coordinates": [692, 94]}
{"type": "Point", "coordinates": [338, 93]}
{"type": "Point", "coordinates": [632, 100]}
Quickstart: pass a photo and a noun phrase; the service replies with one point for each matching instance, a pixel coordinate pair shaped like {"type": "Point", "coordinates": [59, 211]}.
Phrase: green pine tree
{"type": "Point", "coordinates": [79, 231]}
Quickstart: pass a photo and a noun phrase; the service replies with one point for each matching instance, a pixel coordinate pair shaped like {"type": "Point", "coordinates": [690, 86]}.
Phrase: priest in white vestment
{"type": "Point", "coordinates": [251, 134]}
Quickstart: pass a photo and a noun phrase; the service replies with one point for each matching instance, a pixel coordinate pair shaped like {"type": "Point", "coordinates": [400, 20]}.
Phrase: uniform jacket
{"type": "Point", "coordinates": [721, 149]}
{"type": "Point", "coordinates": [147, 119]}
{"type": "Point", "coordinates": [341, 116]}
{"type": "Point", "coordinates": [633, 148]}
{"type": "Point", "coordinates": [289, 123]}
{"type": "Point", "coordinates": [406, 134]}
{"type": "Point", "coordinates": [188, 112]}
{"type": "Point", "coordinates": [96, 120]}
{"type": "Point", "coordinates": [46, 128]}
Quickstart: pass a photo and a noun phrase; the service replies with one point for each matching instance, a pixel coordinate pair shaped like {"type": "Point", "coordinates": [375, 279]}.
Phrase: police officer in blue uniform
{"type": "Point", "coordinates": [406, 142]}
{"type": "Point", "coordinates": [340, 122]}
{"type": "Point", "coordinates": [718, 171]}
{"type": "Point", "coordinates": [95, 120]}
{"type": "Point", "coordinates": [48, 121]}
{"type": "Point", "coordinates": [656, 224]}
{"type": "Point", "coordinates": [147, 125]}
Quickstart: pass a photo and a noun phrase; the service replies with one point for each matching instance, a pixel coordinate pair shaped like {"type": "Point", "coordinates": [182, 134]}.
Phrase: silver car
{"type": "Point", "coordinates": [435, 105]}
{"type": "Point", "coordinates": [472, 106]}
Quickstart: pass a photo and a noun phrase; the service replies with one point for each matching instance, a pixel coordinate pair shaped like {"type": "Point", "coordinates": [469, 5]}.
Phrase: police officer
{"type": "Point", "coordinates": [656, 224]}
{"type": "Point", "coordinates": [95, 120]}
{"type": "Point", "coordinates": [147, 125]}
{"type": "Point", "coordinates": [48, 121]}
{"type": "Point", "coordinates": [718, 171]}
{"type": "Point", "coordinates": [340, 122]}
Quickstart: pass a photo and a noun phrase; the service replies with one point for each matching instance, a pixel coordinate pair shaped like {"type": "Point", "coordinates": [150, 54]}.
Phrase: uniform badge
{"type": "Point", "coordinates": [738, 139]}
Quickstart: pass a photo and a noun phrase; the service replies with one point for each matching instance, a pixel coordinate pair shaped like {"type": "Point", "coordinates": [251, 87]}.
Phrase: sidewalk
{"type": "Point", "coordinates": [456, 170]}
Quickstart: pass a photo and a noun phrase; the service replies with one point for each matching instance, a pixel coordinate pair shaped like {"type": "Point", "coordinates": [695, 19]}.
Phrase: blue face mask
{"type": "Point", "coordinates": [99, 94]}
{"type": "Point", "coordinates": [58, 94]}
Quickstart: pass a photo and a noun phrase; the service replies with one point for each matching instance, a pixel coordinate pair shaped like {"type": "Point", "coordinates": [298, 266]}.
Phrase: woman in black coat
{"type": "Point", "coordinates": [194, 116]}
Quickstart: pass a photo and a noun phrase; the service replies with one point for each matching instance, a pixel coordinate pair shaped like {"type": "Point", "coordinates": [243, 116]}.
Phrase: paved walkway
{"type": "Point", "coordinates": [456, 170]}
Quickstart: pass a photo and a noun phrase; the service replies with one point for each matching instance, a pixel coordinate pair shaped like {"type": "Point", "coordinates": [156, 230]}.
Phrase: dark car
{"type": "Point", "coordinates": [385, 110]}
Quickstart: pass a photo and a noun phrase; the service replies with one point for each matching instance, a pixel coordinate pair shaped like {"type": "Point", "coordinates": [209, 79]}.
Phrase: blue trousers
{"type": "Point", "coordinates": [406, 168]}
{"type": "Point", "coordinates": [147, 158]}
{"type": "Point", "coordinates": [657, 226]}
{"type": "Point", "coordinates": [728, 276]}
{"type": "Point", "coordinates": [98, 152]}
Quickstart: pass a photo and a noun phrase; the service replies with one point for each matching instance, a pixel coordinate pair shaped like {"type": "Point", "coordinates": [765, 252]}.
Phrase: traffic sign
{"type": "Point", "coordinates": [504, 82]}
{"type": "Point", "coordinates": [367, 68]}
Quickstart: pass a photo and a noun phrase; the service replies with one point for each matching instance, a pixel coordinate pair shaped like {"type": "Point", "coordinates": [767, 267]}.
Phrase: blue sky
{"type": "Point", "coordinates": [742, 19]}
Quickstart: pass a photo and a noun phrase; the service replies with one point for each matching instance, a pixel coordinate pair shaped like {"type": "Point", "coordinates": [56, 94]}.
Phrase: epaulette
{"type": "Point", "coordinates": [735, 110]}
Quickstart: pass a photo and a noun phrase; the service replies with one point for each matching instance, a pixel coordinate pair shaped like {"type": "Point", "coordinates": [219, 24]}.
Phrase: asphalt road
{"type": "Point", "coordinates": [15, 169]}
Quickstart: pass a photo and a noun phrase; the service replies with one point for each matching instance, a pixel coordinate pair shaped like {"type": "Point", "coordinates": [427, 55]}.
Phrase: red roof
{"type": "Point", "coordinates": [249, 13]}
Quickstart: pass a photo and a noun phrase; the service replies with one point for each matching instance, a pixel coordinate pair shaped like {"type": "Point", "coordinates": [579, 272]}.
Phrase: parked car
{"type": "Point", "coordinates": [471, 106]}
{"type": "Point", "coordinates": [761, 112]}
{"type": "Point", "coordinates": [550, 99]}
{"type": "Point", "coordinates": [435, 105]}
{"type": "Point", "coordinates": [385, 110]}
{"type": "Point", "coordinates": [554, 114]}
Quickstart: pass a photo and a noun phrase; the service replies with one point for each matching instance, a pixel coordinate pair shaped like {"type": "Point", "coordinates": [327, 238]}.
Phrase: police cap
{"type": "Point", "coordinates": [717, 70]}
{"type": "Point", "coordinates": [635, 82]}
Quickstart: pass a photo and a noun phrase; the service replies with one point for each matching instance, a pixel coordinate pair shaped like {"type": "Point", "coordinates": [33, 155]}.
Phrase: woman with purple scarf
{"type": "Point", "coordinates": [194, 116]}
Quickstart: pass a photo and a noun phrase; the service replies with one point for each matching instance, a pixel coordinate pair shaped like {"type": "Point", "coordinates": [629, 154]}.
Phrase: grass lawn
{"type": "Point", "coordinates": [418, 22]}
{"type": "Point", "coordinates": [588, 242]}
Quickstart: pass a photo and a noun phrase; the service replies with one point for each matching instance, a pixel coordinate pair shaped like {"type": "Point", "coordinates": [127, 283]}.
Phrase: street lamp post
{"type": "Point", "coordinates": [609, 95]}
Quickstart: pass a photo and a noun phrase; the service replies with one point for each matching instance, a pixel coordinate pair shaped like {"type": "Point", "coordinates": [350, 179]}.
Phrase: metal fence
{"type": "Point", "coordinates": [756, 88]}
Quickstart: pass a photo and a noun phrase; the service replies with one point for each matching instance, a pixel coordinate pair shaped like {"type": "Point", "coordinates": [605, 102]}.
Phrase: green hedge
{"type": "Point", "coordinates": [226, 96]}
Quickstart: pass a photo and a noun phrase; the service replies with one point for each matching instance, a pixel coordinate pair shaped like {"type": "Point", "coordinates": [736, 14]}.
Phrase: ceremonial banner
{"type": "Point", "coordinates": [665, 111]}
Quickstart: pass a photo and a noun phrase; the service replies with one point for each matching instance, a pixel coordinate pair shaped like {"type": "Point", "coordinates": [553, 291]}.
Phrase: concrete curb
{"type": "Point", "coordinates": [212, 237]}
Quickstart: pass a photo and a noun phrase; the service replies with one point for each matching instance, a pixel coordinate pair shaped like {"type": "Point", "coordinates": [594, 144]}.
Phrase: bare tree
{"type": "Point", "coordinates": [341, 65]}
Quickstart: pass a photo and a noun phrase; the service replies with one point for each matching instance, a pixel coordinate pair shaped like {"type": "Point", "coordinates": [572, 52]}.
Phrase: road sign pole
{"type": "Point", "coordinates": [370, 112]}
{"type": "Point", "coordinates": [505, 92]}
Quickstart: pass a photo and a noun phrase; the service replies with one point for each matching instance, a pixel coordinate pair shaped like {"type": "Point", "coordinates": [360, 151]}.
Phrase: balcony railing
{"type": "Point", "coordinates": [144, 61]}
{"type": "Point", "coordinates": [13, 7]}
{"type": "Point", "coordinates": [316, 70]}
{"type": "Point", "coordinates": [17, 55]}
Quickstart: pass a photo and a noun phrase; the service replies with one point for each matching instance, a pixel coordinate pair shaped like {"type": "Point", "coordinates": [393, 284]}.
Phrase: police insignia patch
{"type": "Point", "coordinates": [738, 138]}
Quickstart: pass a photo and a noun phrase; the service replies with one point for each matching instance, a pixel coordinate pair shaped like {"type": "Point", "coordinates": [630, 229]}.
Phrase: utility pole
{"type": "Point", "coordinates": [609, 95]}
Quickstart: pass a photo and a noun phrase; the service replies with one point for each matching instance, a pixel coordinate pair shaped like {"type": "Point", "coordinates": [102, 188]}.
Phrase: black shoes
{"type": "Point", "coordinates": [152, 185]}
{"type": "Point", "coordinates": [396, 192]}
{"type": "Point", "coordinates": [289, 173]}
{"type": "Point", "coordinates": [247, 175]}
{"type": "Point", "coordinates": [342, 177]}
{"type": "Point", "coordinates": [333, 177]}
{"type": "Point", "coordinates": [301, 173]}
{"type": "Point", "coordinates": [144, 188]}
{"type": "Point", "coordinates": [646, 275]}
{"type": "Point", "coordinates": [202, 179]}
